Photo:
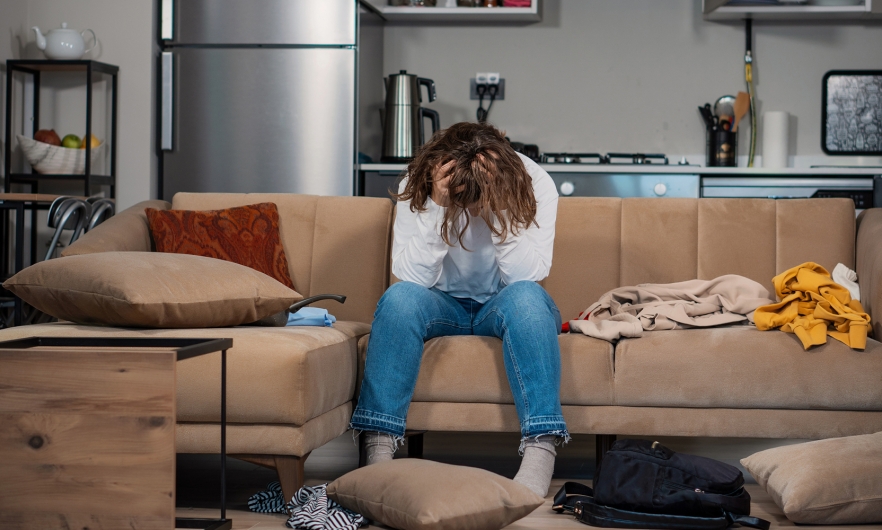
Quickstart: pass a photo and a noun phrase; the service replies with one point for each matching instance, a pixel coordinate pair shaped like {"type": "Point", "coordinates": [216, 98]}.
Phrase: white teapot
{"type": "Point", "coordinates": [63, 43]}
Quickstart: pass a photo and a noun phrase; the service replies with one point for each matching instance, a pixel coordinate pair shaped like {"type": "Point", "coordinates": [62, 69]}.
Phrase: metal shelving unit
{"type": "Point", "coordinates": [36, 68]}
{"type": "Point", "coordinates": [462, 14]}
{"type": "Point", "coordinates": [718, 10]}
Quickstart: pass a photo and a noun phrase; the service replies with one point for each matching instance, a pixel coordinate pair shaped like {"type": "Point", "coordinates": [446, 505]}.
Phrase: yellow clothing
{"type": "Point", "coordinates": [813, 306]}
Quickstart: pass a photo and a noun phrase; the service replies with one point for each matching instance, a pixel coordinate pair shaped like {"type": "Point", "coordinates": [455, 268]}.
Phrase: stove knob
{"type": "Point", "coordinates": [660, 189]}
{"type": "Point", "coordinates": [567, 188]}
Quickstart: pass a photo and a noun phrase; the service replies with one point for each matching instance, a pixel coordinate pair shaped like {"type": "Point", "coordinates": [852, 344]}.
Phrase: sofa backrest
{"type": "Point", "coordinates": [603, 243]}
{"type": "Point", "coordinates": [334, 245]}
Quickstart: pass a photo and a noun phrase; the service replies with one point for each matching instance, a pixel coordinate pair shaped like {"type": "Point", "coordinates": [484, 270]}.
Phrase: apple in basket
{"type": "Point", "coordinates": [47, 136]}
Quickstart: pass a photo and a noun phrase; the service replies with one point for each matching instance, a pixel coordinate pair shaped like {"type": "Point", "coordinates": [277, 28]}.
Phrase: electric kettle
{"type": "Point", "coordinates": [403, 116]}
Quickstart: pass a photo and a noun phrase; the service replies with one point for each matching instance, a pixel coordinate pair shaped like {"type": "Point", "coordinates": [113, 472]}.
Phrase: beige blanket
{"type": "Point", "coordinates": [628, 311]}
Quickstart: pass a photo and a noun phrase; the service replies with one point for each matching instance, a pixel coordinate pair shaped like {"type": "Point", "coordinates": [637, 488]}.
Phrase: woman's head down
{"type": "Point", "coordinates": [483, 174]}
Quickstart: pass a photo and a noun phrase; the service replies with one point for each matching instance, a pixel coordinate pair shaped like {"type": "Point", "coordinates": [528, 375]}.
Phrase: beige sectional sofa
{"type": "Point", "coordinates": [292, 389]}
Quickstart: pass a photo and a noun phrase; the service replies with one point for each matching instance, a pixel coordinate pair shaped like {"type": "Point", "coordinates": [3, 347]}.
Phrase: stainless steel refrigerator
{"type": "Point", "coordinates": [258, 96]}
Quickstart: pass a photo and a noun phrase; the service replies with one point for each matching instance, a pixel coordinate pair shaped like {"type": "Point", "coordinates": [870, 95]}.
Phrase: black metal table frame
{"type": "Point", "coordinates": [19, 208]}
{"type": "Point", "coordinates": [185, 349]}
{"type": "Point", "coordinates": [34, 68]}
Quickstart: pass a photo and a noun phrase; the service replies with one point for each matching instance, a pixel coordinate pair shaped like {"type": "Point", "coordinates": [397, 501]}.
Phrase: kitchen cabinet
{"type": "Point", "coordinates": [462, 14]}
{"type": "Point", "coordinates": [718, 10]}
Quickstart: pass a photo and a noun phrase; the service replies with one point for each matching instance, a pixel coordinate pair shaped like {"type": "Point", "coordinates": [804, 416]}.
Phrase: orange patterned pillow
{"type": "Point", "coordinates": [247, 235]}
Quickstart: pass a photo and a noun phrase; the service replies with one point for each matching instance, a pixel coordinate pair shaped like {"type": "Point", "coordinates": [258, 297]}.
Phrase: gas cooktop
{"type": "Point", "coordinates": [608, 158]}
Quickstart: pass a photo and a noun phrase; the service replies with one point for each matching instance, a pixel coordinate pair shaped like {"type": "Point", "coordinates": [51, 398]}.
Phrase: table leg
{"type": "Point", "coordinates": [19, 254]}
{"type": "Point", "coordinates": [223, 448]}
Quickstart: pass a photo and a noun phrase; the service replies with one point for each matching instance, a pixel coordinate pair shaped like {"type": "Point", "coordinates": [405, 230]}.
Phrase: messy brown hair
{"type": "Point", "coordinates": [485, 171]}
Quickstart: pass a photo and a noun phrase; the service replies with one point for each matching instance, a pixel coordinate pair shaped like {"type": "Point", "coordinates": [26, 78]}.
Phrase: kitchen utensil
{"type": "Point", "coordinates": [851, 113]}
{"type": "Point", "coordinates": [724, 106]}
{"type": "Point", "coordinates": [706, 115]}
{"type": "Point", "coordinates": [403, 117]}
{"type": "Point", "coordinates": [721, 147]}
{"type": "Point", "coordinates": [742, 105]}
{"type": "Point", "coordinates": [63, 43]}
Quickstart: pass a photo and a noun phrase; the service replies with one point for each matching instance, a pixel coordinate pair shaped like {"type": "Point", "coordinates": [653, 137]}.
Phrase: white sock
{"type": "Point", "coordinates": [380, 446]}
{"type": "Point", "coordinates": [537, 464]}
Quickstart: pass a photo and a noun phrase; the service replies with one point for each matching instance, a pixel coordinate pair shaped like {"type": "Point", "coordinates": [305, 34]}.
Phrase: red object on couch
{"type": "Point", "coordinates": [247, 235]}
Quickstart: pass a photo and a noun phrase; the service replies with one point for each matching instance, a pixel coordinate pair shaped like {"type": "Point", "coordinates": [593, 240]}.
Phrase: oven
{"type": "Point", "coordinates": [625, 184]}
{"type": "Point", "coordinates": [859, 189]}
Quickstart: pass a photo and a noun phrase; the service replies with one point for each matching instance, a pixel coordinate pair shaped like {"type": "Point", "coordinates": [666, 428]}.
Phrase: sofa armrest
{"type": "Point", "coordinates": [126, 231]}
{"type": "Point", "coordinates": [868, 262]}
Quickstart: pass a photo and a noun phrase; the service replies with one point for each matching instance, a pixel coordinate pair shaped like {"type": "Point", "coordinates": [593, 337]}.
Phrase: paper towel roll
{"type": "Point", "coordinates": [776, 138]}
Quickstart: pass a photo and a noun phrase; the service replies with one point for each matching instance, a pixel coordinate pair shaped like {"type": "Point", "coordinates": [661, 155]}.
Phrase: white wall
{"type": "Point", "coordinates": [125, 38]}
{"type": "Point", "coordinates": [13, 15]}
{"type": "Point", "coordinates": [627, 75]}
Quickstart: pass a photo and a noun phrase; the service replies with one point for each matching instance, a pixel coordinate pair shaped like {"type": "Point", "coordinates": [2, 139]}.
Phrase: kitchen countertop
{"type": "Point", "coordinates": [656, 169]}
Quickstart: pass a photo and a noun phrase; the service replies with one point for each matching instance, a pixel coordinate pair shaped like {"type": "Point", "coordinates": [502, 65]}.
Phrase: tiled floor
{"type": "Point", "coordinates": [198, 475]}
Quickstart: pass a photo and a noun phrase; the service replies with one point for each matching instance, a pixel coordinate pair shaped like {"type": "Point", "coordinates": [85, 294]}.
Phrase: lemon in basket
{"type": "Point", "coordinates": [95, 142]}
{"type": "Point", "coordinates": [71, 141]}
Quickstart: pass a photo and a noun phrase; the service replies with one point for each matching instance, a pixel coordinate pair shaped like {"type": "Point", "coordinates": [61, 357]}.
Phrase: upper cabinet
{"type": "Point", "coordinates": [460, 14]}
{"type": "Point", "coordinates": [817, 10]}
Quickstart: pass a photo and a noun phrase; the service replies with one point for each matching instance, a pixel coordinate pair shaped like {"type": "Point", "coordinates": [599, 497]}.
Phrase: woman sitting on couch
{"type": "Point", "coordinates": [473, 234]}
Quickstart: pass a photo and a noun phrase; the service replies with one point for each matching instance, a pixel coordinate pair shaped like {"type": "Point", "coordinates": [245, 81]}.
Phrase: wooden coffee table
{"type": "Point", "coordinates": [88, 432]}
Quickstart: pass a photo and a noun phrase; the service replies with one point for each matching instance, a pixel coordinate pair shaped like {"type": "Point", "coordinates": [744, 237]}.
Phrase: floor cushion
{"type": "Point", "coordinates": [421, 495]}
{"type": "Point", "coordinates": [834, 481]}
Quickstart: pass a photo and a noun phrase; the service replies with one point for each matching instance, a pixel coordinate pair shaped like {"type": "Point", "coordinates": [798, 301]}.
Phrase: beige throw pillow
{"type": "Point", "coordinates": [834, 481]}
{"type": "Point", "coordinates": [151, 290]}
{"type": "Point", "coordinates": [416, 494]}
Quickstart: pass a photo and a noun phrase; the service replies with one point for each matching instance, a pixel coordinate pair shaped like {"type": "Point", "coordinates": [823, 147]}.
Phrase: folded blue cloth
{"type": "Point", "coordinates": [311, 316]}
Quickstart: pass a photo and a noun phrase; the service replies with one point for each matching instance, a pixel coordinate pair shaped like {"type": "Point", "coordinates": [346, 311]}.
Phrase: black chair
{"type": "Point", "coordinates": [67, 213]}
{"type": "Point", "coordinates": [102, 210]}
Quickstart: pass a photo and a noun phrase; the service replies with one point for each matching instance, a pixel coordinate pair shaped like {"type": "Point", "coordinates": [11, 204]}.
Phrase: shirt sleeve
{"type": "Point", "coordinates": [527, 255]}
{"type": "Point", "coordinates": [417, 247]}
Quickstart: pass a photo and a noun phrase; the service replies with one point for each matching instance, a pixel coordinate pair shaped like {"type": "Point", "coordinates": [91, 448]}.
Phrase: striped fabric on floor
{"type": "Point", "coordinates": [309, 509]}
{"type": "Point", "coordinates": [269, 501]}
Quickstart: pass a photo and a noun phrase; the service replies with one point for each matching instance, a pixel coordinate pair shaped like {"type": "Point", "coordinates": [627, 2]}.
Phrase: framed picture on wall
{"type": "Point", "coordinates": [851, 115]}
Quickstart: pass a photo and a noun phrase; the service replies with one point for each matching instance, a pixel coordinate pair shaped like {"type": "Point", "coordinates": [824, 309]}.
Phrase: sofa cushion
{"type": "Point", "coordinates": [337, 245]}
{"type": "Point", "coordinates": [836, 481]}
{"type": "Point", "coordinates": [274, 375]}
{"type": "Point", "coordinates": [247, 235]}
{"type": "Point", "coordinates": [606, 242]}
{"type": "Point", "coordinates": [742, 367]}
{"type": "Point", "coordinates": [469, 369]}
{"type": "Point", "coordinates": [127, 231]}
{"type": "Point", "coordinates": [151, 290]}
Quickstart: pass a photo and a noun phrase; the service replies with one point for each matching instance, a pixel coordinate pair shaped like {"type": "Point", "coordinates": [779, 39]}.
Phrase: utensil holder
{"type": "Point", "coordinates": [722, 147]}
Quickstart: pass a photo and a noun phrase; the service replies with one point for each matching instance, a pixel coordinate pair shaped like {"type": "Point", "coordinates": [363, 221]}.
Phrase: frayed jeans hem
{"type": "Point", "coordinates": [371, 421]}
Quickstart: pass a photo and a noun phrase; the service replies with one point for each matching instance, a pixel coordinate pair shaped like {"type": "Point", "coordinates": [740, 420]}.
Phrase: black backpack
{"type": "Point", "coordinates": [644, 484]}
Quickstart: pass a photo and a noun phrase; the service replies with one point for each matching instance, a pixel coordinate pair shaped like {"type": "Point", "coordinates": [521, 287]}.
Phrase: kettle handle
{"type": "Point", "coordinates": [94, 40]}
{"type": "Point", "coordinates": [430, 86]}
{"type": "Point", "coordinates": [436, 122]}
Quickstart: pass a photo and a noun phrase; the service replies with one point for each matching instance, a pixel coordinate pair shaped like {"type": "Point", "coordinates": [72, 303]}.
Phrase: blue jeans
{"type": "Point", "coordinates": [522, 314]}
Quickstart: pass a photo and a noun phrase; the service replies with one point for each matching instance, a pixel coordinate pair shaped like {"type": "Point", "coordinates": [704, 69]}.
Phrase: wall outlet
{"type": "Point", "coordinates": [500, 89]}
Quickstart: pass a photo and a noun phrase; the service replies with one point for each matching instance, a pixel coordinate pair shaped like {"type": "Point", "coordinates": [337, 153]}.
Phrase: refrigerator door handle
{"type": "Point", "coordinates": [167, 110]}
{"type": "Point", "coordinates": [167, 31]}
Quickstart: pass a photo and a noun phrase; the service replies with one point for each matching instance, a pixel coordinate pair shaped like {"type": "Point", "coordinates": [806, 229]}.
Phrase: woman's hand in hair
{"type": "Point", "coordinates": [440, 181]}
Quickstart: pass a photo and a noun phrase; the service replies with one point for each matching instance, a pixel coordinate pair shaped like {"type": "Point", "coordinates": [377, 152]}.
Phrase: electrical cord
{"type": "Point", "coordinates": [483, 89]}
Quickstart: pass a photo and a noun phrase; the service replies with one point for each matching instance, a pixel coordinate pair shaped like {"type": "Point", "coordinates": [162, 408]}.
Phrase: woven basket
{"type": "Point", "coordinates": [51, 159]}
